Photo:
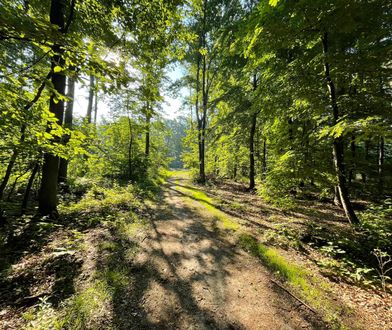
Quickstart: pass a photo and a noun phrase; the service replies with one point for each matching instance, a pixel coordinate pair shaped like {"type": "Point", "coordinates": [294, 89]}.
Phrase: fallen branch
{"type": "Point", "coordinates": [30, 300]}
{"type": "Point", "coordinates": [292, 295]}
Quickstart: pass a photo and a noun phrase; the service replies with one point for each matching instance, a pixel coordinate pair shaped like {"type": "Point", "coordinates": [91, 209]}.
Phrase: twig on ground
{"type": "Point", "coordinates": [292, 295]}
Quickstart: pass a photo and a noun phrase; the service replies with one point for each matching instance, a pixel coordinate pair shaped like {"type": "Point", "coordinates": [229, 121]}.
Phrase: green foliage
{"type": "Point", "coordinates": [174, 145]}
{"type": "Point", "coordinates": [350, 255]}
{"type": "Point", "coordinates": [276, 70]}
{"type": "Point", "coordinates": [103, 204]}
{"type": "Point", "coordinates": [377, 227]}
{"type": "Point", "coordinates": [42, 316]}
{"type": "Point", "coordinates": [118, 211]}
{"type": "Point", "coordinates": [91, 302]}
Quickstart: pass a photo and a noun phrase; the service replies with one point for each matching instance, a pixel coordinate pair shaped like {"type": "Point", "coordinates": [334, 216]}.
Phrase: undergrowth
{"type": "Point", "coordinates": [119, 211]}
{"type": "Point", "coordinates": [350, 254]}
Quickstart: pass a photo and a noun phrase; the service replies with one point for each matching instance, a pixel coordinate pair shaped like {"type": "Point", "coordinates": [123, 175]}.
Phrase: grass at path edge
{"type": "Point", "coordinates": [310, 288]}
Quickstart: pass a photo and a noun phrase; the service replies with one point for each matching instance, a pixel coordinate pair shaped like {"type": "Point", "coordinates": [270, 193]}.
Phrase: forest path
{"type": "Point", "coordinates": [191, 275]}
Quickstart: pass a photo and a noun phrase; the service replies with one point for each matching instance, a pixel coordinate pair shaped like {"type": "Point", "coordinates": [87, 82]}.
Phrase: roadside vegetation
{"type": "Point", "coordinates": [312, 253]}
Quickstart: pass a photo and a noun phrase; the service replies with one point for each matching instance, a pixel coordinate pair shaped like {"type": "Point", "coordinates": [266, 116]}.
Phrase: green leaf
{"type": "Point", "coordinates": [273, 3]}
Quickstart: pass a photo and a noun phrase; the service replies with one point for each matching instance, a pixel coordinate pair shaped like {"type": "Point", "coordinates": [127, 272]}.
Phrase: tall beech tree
{"type": "Point", "coordinates": [50, 167]}
{"type": "Point", "coordinates": [338, 146]}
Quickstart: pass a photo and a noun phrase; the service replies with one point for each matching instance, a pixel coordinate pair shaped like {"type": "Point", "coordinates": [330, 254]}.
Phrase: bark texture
{"type": "Point", "coordinates": [50, 167]}
{"type": "Point", "coordinates": [338, 151]}
{"type": "Point", "coordinates": [68, 118]}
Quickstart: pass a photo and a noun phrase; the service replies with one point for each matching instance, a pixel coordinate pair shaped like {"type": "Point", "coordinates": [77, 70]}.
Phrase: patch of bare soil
{"type": "Point", "coordinates": [190, 276]}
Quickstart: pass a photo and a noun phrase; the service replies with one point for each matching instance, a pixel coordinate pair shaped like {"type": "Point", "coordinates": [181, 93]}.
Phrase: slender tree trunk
{"type": "Point", "coordinates": [15, 152]}
{"type": "Point", "coordinates": [28, 188]}
{"type": "Point", "coordinates": [10, 166]}
{"type": "Point", "coordinates": [351, 175]}
{"type": "Point", "coordinates": [252, 152]}
{"type": "Point", "coordinates": [50, 168]}
{"type": "Point", "coordinates": [10, 193]}
{"type": "Point", "coordinates": [336, 199]}
{"type": "Point", "coordinates": [96, 108]}
{"type": "Point", "coordinates": [130, 162]}
{"type": "Point", "coordinates": [381, 153]}
{"type": "Point", "coordinates": [130, 146]}
{"type": "Point", "coordinates": [199, 116]}
{"type": "Point", "coordinates": [63, 168]}
{"type": "Point", "coordinates": [203, 119]}
{"type": "Point", "coordinates": [338, 155]}
{"type": "Point", "coordinates": [148, 119]}
{"type": "Point", "coordinates": [252, 142]}
{"type": "Point", "coordinates": [90, 100]}
{"type": "Point", "coordinates": [202, 178]}
{"type": "Point", "coordinates": [203, 124]}
{"type": "Point", "coordinates": [216, 167]}
{"type": "Point", "coordinates": [366, 160]}
{"type": "Point", "coordinates": [264, 160]}
{"type": "Point", "coordinates": [15, 182]}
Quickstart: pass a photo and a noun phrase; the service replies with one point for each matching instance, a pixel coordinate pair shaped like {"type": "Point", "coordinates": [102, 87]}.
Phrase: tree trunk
{"type": "Point", "coordinates": [202, 178]}
{"type": "Point", "coordinates": [15, 152]}
{"type": "Point", "coordinates": [264, 159]}
{"type": "Point", "coordinates": [252, 142]}
{"type": "Point", "coordinates": [8, 171]}
{"type": "Point", "coordinates": [96, 108]}
{"type": "Point", "coordinates": [338, 156]}
{"type": "Point", "coordinates": [351, 175]}
{"type": "Point", "coordinates": [203, 124]}
{"type": "Point", "coordinates": [216, 167]}
{"type": "Point", "coordinates": [28, 188]}
{"type": "Point", "coordinates": [203, 119]}
{"type": "Point", "coordinates": [63, 168]}
{"type": "Point", "coordinates": [336, 199]}
{"type": "Point", "coordinates": [50, 168]}
{"type": "Point", "coordinates": [199, 117]}
{"type": "Point", "coordinates": [10, 193]}
{"type": "Point", "coordinates": [364, 179]}
{"type": "Point", "coordinates": [15, 182]}
{"type": "Point", "coordinates": [381, 166]}
{"type": "Point", "coordinates": [148, 119]}
{"type": "Point", "coordinates": [90, 100]}
{"type": "Point", "coordinates": [130, 164]}
{"type": "Point", "coordinates": [252, 152]}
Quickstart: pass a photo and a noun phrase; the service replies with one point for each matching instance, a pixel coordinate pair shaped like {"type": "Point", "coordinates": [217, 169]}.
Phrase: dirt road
{"type": "Point", "coordinates": [190, 275]}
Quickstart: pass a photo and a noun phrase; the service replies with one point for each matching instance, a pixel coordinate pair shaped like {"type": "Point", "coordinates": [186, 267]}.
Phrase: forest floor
{"type": "Point", "coordinates": [191, 259]}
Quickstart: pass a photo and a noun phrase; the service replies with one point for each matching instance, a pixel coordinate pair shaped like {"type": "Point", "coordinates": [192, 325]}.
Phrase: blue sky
{"type": "Point", "coordinates": [171, 106]}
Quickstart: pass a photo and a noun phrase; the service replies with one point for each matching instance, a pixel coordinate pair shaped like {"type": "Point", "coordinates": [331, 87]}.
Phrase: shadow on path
{"type": "Point", "coordinates": [188, 276]}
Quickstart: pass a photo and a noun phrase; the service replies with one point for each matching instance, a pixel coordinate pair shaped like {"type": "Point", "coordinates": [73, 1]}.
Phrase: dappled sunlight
{"type": "Point", "coordinates": [194, 272]}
